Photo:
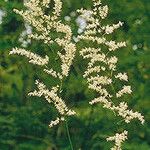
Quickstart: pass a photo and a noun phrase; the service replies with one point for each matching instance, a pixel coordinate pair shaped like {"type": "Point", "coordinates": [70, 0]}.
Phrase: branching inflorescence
{"type": "Point", "coordinates": [44, 24]}
{"type": "Point", "coordinates": [118, 138]}
{"type": "Point", "coordinates": [101, 72]}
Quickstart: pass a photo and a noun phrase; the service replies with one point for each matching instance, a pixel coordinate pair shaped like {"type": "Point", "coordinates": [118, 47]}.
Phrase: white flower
{"type": "Point", "coordinates": [124, 90]}
{"type": "Point", "coordinates": [110, 29]}
{"type": "Point", "coordinates": [103, 11]}
{"type": "Point", "coordinates": [113, 45]}
{"type": "Point", "coordinates": [52, 97]}
{"type": "Point", "coordinates": [119, 139]}
{"type": "Point", "coordinates": [122, 76]}
{"type": "Point", "coordinates": [33, 58]}
{"type": "Point", "coordinates": [44, 25]}
{"type": "Point", "coordinates": [127, 114]}
{"type": "Point", "coordinates": [102, 67]}
{"type": "Point", "coordinates": [56, 121]}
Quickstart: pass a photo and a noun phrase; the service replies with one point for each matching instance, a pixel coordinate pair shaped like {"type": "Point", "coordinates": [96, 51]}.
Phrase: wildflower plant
{"type": "Point", "coordinates": [101, 72]}
{"type": "Point", "coordinates": [44, 25]}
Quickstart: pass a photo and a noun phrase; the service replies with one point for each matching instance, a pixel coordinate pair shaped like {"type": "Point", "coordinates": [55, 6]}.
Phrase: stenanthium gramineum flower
{"type": "Point", "coordinates": [33, 58]}
{"type": "Point", "coordinates": [101, 72]}
{"type": "Point", "coordinates": [118, 139]}
{"type": "Point", "coordinates": [44, 25]}
{"type": "Point", "coordinates": [52, 97]}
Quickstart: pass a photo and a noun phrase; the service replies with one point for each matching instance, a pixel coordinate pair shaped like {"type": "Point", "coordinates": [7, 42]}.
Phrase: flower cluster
{"type": "Point", "coordinates": [45, 24]}
{"type": "Point", "coordinates": [122, 76]}
{"type": "Point", "coordinates": [124, 90]}
{"type": "Point", "coordinates": [101, 72]}
{"type": "Point", "coordinates": [110, 29]}
{"type": "Point", "coordinates": [56, 121]}
{"type": "Point", "coordinates": [121, 110]}
{"type": "Point", "coordinates": [52, 97]}
{"type": "Point", "coordinates": [119, 139]}
{"type": "Point", "coordinates": [34, 58]}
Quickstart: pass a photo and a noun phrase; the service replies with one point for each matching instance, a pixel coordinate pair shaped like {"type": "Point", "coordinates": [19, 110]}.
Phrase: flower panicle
{"type": "Point", "coordinates": [33, 58]}
{"type": "Point", "coordinates": [45, 24]}
{"type": "Point", "coordinates": [51, 96]}
{"type": "Point", "coordinates": [119, 138]}
{"type": "Point", "coordinates": [102, 72]}
{"type": "Point", "coordinates": [108, 63]}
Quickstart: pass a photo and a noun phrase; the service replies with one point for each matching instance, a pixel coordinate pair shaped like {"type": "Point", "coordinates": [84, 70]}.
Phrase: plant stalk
{"type": "Point", "coordinates": [68, 134]}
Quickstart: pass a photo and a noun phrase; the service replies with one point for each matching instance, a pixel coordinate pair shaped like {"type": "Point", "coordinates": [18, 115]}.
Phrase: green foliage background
{"type": "Point", "coordinates": [24, 120]}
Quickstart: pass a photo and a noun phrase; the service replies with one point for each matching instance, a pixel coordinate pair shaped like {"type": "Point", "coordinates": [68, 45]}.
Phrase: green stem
{"type": "Point", "coordinates": [68, 134]}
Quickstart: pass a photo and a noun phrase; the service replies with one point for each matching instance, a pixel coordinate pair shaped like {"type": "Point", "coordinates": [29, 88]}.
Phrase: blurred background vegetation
{"type": "Point", "coordinates": [24, 120]}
